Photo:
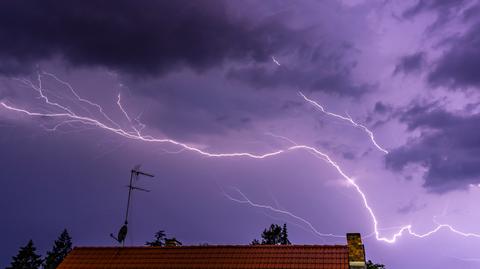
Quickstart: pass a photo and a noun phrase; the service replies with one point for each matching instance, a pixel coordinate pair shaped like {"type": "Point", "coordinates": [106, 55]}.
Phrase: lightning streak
{"type": "Point", "coordinates": [100, 108]}
{"type": "Point", "coordinates": [68, 116]}
{"type": "Point", "coordinates": [119, 103]}
{"type": "Point", "coordinates": [248, 201]}
{"type": "Point", "coordinates": [348, 118]}
{"type": "Point", "coordinates": [275, 61]}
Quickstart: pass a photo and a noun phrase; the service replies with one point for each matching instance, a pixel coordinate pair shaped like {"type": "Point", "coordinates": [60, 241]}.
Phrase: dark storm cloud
{"type": "Point", "coordinates": [471, 13]}
{"type": "Point", "coordinates": [440, 6]}
{"type": "Point", "coordinates": [410, 63]}
{"type": "Point", "coordinates": [339, 83]}
{"type": "Point", "coordinates": [382, 108]}
{"type": "Point", "coordinates": [319, 68]}
{"type": "Point", "coordinates": [444, 9]}
{"type": "Point", "coordinates": [459, 66]}
{"type": "Point", "coordinates": [140, 37]}
{"type": "Point", "coordinates": [448, 147]}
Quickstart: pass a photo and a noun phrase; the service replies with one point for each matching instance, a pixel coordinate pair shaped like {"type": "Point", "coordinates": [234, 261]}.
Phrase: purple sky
{"type": "Point", "coordinates": [202, 73]}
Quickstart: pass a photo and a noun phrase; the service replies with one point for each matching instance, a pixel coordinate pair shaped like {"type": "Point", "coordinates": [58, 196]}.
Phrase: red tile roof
{"type": "Point", "coordinates": [261, 256]}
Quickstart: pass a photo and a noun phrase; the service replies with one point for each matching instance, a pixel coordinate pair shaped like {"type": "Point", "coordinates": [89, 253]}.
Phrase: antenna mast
{"type": "Point", "coordinates": [134, 174]}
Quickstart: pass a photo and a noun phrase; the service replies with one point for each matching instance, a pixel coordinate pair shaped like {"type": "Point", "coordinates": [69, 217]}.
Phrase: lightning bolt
{"type": "Point", "coordinates": [275, 61]}
{"type": "Point", "coordinates": [67, 116]}
{"type": "Point", "coordinates": [276, 210]}
{"type": "Point", "coordinates": [408, 228]}
{"type": "Point", "coordinates": [75, 94]}
{"type": "Point", "coordinates": [348, 119]}
{"type": "Point", "coordinates": [119, 103]}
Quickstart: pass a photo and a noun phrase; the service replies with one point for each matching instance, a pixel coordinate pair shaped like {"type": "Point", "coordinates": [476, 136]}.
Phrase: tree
{"type": "Point", "coordinates": [61, 247]}
{"type": "Point", "coordinates": [272, 235]}
{"type": "Point", "coordinates": [371, 265]}
{"type": "Point", "coordinates": [26, 258]}
{"type": "Point", "coordinates": [284, 236]}
{"type": "Point", "coordinates": [159, 239]}
{"type": "Point", "coordinates": [275, 235]}
{"type": "Point", "coordinates": [255, 242]}
{"type": "Point", "coordinates": [162, 240]}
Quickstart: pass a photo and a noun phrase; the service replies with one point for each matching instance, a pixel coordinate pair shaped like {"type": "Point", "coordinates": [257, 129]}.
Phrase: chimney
{"type": "Point", "coordinates": [356, 251]}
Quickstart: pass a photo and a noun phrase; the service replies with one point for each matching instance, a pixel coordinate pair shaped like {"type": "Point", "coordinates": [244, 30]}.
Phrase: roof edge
{"type": "Point", "coordinates": [211, 246]}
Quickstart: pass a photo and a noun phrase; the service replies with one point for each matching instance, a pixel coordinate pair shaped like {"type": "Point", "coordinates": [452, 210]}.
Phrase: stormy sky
{"type": "Point", "coordinates": [224, 77]}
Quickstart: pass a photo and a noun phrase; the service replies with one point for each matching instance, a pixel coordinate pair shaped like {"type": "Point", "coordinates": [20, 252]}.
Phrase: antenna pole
{"type": "Point", "coordinates": [122, 233]}
{"type": "Point", "coordinates": [129, 194]}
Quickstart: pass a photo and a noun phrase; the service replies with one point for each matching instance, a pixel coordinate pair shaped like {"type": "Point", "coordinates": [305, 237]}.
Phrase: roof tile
{"type": "Point", "coordinates": [241, 257]}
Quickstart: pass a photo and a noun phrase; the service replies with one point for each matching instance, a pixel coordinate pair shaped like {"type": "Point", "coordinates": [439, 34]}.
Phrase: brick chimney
{"type": "Point", "coordinates": [356, 251]}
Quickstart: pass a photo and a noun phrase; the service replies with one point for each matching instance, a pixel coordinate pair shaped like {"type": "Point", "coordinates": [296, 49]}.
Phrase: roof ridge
{"type": "Point", "coordinates": [213, 246]}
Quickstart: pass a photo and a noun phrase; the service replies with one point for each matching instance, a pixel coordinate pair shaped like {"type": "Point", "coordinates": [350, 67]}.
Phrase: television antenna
{"type": "Point", "coordinates": [135, 173]}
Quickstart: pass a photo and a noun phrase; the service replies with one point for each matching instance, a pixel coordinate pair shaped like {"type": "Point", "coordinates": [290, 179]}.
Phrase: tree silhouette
{"type": "Point", "coordinates": [284, 236]}
{"type": "Point", "coordinates": [162, 240]}
{"type": "Point", "coordinates": [26, 258]}
{"type": "Point", "coordinates": [274, 235]}
{"type": "Point", "coordinates": [371, 265]}
{"type": "Point", "coordinates": [255, 242]}
{"type": "Point", "coordinates": [159, 239]}
{"type": "Point", "coordinates": [61, 247]}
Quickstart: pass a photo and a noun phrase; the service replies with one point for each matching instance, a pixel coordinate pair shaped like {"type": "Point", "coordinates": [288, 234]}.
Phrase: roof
{"type": "Point", "coordinates": [259, 256]}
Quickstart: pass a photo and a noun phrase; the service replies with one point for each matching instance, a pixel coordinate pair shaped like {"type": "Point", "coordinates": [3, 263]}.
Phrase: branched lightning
{"type": "Point", "coordinates": [77, 96]}
{"type": "Point", "coordinates": [66, 115]}
{"type": "Point", "coordinates": [347, 118]}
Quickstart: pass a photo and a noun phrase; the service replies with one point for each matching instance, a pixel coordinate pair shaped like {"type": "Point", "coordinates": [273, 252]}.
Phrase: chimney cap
{"type": "Point", "coordinates": [354, 235]}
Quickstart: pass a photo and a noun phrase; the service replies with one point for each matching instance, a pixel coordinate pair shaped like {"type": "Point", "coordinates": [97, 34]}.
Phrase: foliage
{"type": "Point", "coordinates": [162, 240]}
{"type": "Point", "coordinates": [61, 247]}
{"type": "Point", "coordinates": [255, 242]}
{"type": "Point", "coordinates": [274, 235]}
{"type": "Point", "coordinates": [159, 240]}
{"type": "Point", "coordinates": [284, 236]}
{"type": "Point", "coordinates": [26, 258]}
{"type": "Point", "coordinates": [371, 265]}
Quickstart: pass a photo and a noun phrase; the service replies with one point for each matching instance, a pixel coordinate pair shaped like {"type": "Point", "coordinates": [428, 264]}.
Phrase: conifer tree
{"type": "Point", "coordinates": [26, 258]}
{"type": "Point", "coordinates": [61, 247]}
{"type": "Point", "coordinates": [284, 236]}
